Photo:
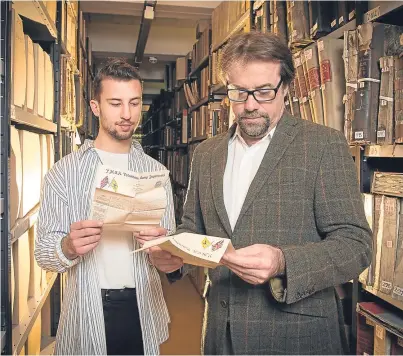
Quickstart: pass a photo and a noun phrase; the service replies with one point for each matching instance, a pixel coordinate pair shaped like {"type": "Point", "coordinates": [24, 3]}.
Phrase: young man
{"type": "Point", "coordinates": [285, 191]}
{"type": "Point", "coordinates": [113, 301]}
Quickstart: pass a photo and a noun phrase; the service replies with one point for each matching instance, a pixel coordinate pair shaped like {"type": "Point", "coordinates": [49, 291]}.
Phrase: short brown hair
{"type": "Point", "coordinates": [114, 68]}
{"type": "Point", "coordinates": [257, 46]}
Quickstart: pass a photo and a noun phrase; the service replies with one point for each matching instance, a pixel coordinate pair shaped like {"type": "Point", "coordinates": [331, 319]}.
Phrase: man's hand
{"type": "Point", "coordinates": [151, 234]}
{"type": "Point", "coordinates": [84, 236]}
{"type": "Point", "coordinates": [162, 260]}
{"type": "Point", "coordinates": [255, 264]}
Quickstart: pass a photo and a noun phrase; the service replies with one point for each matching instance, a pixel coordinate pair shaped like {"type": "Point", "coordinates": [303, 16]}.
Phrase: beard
{"type": "Point", "coordinates": [258, 127]}
{"type": "Point", "coordinates": [110, 129]}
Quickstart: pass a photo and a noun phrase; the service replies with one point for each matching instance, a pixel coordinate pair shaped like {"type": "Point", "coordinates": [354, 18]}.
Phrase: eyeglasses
{"type": "Point", "coordinates": [261, 95]}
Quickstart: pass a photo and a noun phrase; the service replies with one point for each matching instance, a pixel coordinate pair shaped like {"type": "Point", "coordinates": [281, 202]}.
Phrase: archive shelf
{"type": "Point", "coordinates": [25, 120]}
{"type": "Point", "coordinates": [21, 331]}
{"type": "Point", "coordinates": [35, 10]}
{"type": "Point", "coordinates": [22, 225]}
{"type": "Point", "coordinates": [386, 297]}
{"type": "Point", "coordinates": [203, 63]}
{"type": "Point", "coordinates": [202, 102]}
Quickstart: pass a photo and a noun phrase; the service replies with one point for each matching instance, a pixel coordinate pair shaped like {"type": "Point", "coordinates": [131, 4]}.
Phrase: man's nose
{"type": "Point", "coordinates": [125, 112]}
{"type": "Point", "coordinates": [251, 104]}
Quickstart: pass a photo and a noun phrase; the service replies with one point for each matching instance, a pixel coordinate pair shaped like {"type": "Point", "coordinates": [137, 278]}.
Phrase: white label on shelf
{"type": "Point", "coordinates": [381, 134]}
{"type": "Point", "coordinates": [292, 3]}
{"type": "Point", "coordinates": [287, 103]}
{"type": "Point", "coordinates": [374, 151]}
{"type": "Point", "coordinates": [362, 84]}
{"type": "Point", "coordinates": [398, 291]}
{"type": "Point", "coordinates": [389, 244]}
{"type": "Point", "coordinates": [384, 103]}
{"type": "Point", "coordinates": [297, 61]}
{"type": "Point", "coordinates": [372, 14]}
{"type": "Point", "coordinates": [308, 54]}
{"type": "Point", "coordinates": [380, 331]}
{"type": "Point", "coordinates": [315, 27]}
{"type": "Point", "coordinates": [359, 135]}
{"type": "Point", "coordinates": [334, 22]}
{"type": "Point", "coordinates": [351, 15]}
{"type": "Point", "coordinates": [321, 46]}
{"type": "Point", "coordinates": [341, 19]}
{"type": "Point", "coordinates": [304, 100]}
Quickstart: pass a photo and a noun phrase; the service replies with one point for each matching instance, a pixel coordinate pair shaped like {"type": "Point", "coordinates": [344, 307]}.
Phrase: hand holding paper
{"type": "Point", "coordinates": [129, 201]}
{"type": "Point", "coordinates": [194, 249]}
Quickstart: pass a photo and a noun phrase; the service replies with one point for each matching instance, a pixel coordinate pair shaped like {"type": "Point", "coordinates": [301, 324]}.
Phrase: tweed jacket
{"type": "Point", "coordinates": [304, 199]}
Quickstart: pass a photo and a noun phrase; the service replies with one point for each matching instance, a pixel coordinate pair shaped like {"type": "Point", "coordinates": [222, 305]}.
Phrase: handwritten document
{"type": "Point", "coordinates": [129, 201]}
{"type": "Point", "coordinates": [194, 249]}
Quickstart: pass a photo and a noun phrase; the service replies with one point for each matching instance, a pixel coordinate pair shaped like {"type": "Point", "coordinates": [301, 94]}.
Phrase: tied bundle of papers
{"type": "Point", "coordinates": [129, 201]}
{"type": "Point", "coordinates": [194, 249]}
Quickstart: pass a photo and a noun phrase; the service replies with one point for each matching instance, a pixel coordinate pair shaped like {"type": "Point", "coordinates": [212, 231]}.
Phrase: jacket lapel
{"type": "Point", "coordinates": [284, 134]}
{"type": "Point", "coordinates": [218, 163]}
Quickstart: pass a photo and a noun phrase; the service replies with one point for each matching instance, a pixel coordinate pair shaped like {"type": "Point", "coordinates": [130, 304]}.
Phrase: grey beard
{"type": "Point", "coordinates": [255, 129]}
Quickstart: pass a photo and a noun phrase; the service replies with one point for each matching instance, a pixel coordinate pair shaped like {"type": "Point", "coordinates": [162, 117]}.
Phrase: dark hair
{"type": "Point", "coordinates": [115, 69]}
{"type": "Point", "coordinates": [257, 46]}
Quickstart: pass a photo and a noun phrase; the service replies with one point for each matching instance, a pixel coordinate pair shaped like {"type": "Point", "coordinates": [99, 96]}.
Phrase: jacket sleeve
{"type": "Point", "coordinates": [53, 225]}
{"type": "Point", "coordinates": [192, 219]}
{"type": "Point", "coordinates": [346, 248]}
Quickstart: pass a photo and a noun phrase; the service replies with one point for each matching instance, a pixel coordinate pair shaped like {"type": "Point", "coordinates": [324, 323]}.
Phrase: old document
{"type": "Point", "coordinates": [129, 201]}
{"type": "Point", "coordinates": [194, 249]}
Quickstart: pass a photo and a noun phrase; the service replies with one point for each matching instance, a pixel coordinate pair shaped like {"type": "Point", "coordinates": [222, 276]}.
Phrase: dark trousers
{"type": "Point", "coordinates": [122, 322]}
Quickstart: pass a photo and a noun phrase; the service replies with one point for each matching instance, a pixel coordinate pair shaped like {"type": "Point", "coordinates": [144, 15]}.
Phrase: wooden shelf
{"type": "Point", "coordinates": [355, 150]}
{"type": "Point", "coordinates": [385, 297]}
{"type": "Point", "coordinates": [27, 120]}
{"type": "Point", "coordinates": [391, 151]}
{"type": "Point", "coordinates": [239, 25]}
{"type": "Point", "coordinates": [200, 66]}
{"type": "Point", "coordinates": [22, 330]}
{"type": "Point", "coordinates": [339, 33]}
{"type": "Point", "coordinates": [258, 4]}
{"type": "Point", "coordinates": [378, 9]}
{"type": "Point", "coordinates": [217, 89]}
{"type": "Point", "coordinates": [48, 345]}
{"type": "Point", "coordinates": [200, 103]}
{"type": "Point", "coordinates": [35, 10]}
{"type": "Point", "coordinates": [22, 225]}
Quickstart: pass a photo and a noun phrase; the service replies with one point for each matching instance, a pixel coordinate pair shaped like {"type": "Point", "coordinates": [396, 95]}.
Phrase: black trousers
{"type": "Point", "coordinates": [122, 322]}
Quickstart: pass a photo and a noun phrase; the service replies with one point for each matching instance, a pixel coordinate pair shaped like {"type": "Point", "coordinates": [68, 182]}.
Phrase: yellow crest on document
{"type": "Point", "coordinates": [114, 185]}
{"type": "Point", "coordinates": [205, 242]}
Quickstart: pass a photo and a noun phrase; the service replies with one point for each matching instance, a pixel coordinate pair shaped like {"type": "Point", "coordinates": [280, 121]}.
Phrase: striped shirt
{"type": "Point", "coordinates": [66, 198]}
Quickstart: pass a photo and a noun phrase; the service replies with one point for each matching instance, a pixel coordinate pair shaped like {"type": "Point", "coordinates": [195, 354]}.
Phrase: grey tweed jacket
{"type": "Point", "coordinates": [305, 200]}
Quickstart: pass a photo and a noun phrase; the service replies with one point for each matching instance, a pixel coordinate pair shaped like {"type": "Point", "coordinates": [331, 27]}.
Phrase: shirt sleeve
{"type": "Point", "coordinates": [53, 226]}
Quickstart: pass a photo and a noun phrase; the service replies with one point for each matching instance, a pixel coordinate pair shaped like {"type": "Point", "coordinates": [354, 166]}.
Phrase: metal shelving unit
{"type": "Point", "coordinates": [5, 50]}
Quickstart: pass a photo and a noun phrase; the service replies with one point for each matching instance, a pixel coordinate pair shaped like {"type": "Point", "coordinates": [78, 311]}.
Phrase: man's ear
{"type": "Point", "coordinates": [95, 107]}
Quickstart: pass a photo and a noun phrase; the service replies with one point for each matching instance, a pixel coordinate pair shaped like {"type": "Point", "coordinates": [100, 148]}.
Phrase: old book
{"type": "Point", "coordinates": [398, 99]}
{"type": "Point", "coordinates": [15, 175]}
{"type": "Point", "coordinates": [350, 56]}
{"type": "Point", "coordinates": [30, 71]}
{"type": "Point", "coordinates": [332, 81]}
{"type": "Point", "coordinates": [278, 15]}
{"type": "Point", "coordinates": [375, 40]}
{"type": "Point", "coordinates": [377, 241]}
{"type": "Point", "coordinates": [389, 238]}
{"type": "Point", "coordinates": [319, 18]}
{"type": "Point", "coordinates": [39, 103]}
{"type": "Point", "coordinates": [311, 68]}
{"type": "Point", "coordinates": [388, 183]}
{"type": "Point", "coordinates": [398, 273]}
{"type": "Point", "coordinates": [18, 61]}
{"type": "Point", "coordinates": [365, 335]}
{"type": "Point", "coordinates": [385, 112]}
{"type": "Point", "coordinates": [298, 23]}
{"type": "Point", "coordinates": [382, 340]}
{"type": "Point", "coordinates": [303, 88]}
{"type": "Point", "coordinates": [293, 99]}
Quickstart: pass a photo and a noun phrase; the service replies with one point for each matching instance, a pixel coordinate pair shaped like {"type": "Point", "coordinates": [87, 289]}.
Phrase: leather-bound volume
{"type": "Point", "coordinates": [370, 49]}
{"type": "Point", "coordinates": [278, 16]}
{"type": "Point", "coordinates": [398, 273]}
{"type": "Point", "coordinates": [298, 23]}
{"type": "Point", "coordinates": [319, 18]}
{"type": "Point", "coordinates": [385, 112]}
{"type": "Point", "coordinates": [293, 99]}
{"type": "Point", "coordinates": [311, 67]}
{"type": "Point", "coordinates": [389, 239]}
{"type": "Point", "coordinates": [303, 88]}
{"type": "Point", "coordinates": [342, 12]}
{"type": "Point", "coordinates": [330, 51]}
{"type": "Point", "coordinates": [350, 56]}
{"type": "Point", "coordinates": [398, 99]}
{"type": "Point", "coordinates": [375, 41]}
